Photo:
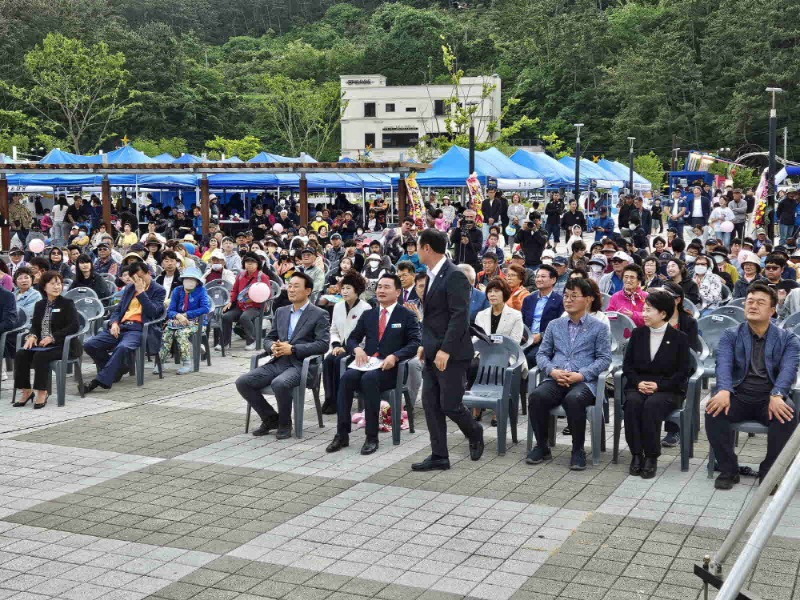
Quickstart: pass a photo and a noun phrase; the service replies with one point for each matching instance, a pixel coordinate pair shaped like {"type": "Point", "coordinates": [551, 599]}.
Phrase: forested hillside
{"type": "Point", "coordinates": [203, 75]}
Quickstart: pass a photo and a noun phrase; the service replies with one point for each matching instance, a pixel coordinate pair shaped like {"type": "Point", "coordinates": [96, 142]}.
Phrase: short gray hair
{"type": "Point", "coordinates": [469, 272]}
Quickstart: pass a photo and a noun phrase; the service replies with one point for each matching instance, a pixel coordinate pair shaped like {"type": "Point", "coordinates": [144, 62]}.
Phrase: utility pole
{"type": "Point", "coordinates": [674, 152]}
{"type": "Point", "coordinates": [773, 120]}
{"type": "Point", "coordinates": [578, 162]}
{"type": "Point", "coordinates": [785, 144]}
{"type": "Point", "coordinates": [631, 140]}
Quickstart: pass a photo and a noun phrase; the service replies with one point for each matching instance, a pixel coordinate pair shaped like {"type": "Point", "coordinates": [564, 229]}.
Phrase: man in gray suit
{"type": "Point", "coordinates": [574, 351]}
{"type": "Point", "coordinates": [298, 331]}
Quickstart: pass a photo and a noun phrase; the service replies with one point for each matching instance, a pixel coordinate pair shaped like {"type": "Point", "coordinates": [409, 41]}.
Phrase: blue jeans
{"type": "Point", "coordinates": [554, 230]}
{"type": "Point", "coordinates": [786, 232]}
{"type": "Point", "coordinates": [110, 353]}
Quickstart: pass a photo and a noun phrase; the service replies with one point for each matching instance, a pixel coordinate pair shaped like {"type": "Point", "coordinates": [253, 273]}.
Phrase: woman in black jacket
{"type": "Point", "coordinates": [677, 273]}
{"type": "Point", "coordinates": [54, 318]}
{"type": "Point", "coordinates": [86, 277]}
{"type": "Point", "coordinates": [58, 265]}
{"type": "Point", "coordinates": [656, 371]}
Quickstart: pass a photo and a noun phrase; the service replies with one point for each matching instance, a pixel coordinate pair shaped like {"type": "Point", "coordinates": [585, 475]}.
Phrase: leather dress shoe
{"type": "Point", "coordinates": [476, 447]}
{"type": "Point", "coordinates": [284, 433]}
{"type": "Point", "coordinates": [120, 375]}
{"type": "Point", "coordinates": [636, 465]}
{"type": "Point", "coordinates": [338, 443]}
{"type": "Point", "coordinates": [93, 385]}
{"type": "Point", "coordinates": [649, 468]}
{"type": "Point", "coordinates": [328, 409]}
{"type": "Point", "coordinates": [266, 426]}
{"type": "Point", "coordinates": [432, 464]}
{"type": "Point", "coordinates": [369, 446]}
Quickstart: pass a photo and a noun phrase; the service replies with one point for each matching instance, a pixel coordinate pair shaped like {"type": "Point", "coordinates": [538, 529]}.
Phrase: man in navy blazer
{"type": "Point", "coordinates": [389, 332]}
{"type": "Point", "coordinates": [540, 308]}
{"type": "Point", "coordinates": [142, 301]}
{"type": "Point", "coordinates": [756, 369]}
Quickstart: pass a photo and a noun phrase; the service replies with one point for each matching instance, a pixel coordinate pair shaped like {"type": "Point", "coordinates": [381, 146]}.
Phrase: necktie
{"type": "Point", "coordinates": [405, 296]}
{"type": "Point", "coordinates": [382, 323]}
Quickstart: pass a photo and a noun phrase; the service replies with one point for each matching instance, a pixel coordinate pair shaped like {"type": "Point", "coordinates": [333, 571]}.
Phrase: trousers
{"type": "Point", "coordinates": [574, 399]}
{"type": "Point", "coordinates": [442, 395]}
{"type": "Point", "coordinates": [181, 337]}
{"type": "Point", "coordinates": [720, 433]}
{"type": "Point", "coordinates": [283, 378]}
{"type": "Point", "coordinates": [371, 384]}
{"type": "Point", "coordinates": [643, 418]}
{"type": "Point", "coordinates": [553, 229]}
{"type": "Point", "coordinates": [245, 318]}
{"type": "Point", "coordinates": [40, 362]}
{"type": "Point", "coordinates": [330, 377]}
{"type": "Point", "coordinates": [110, 354]}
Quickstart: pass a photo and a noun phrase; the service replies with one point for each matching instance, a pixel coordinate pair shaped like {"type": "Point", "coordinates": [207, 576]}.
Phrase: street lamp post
{"type": "Point", "coordinates": [773, 121]}
{"type": "Point", "coordinates": [578, 161]}
{"type": "Point", "coordinates": [631, 140]}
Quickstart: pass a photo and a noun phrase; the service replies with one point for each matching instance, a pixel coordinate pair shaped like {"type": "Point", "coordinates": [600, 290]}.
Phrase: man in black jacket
{"type": "Point", "coordinates": [572, 217]}
{"type": "Point", "coordinates": [467, 240]}
{"type": "Point", "coordinates": [554, 210]}
{"type": "Point", "coordinates": [447, 352]}
{"type": "Point", "coordinates": [259, 223]}
{"type": "Point", "coordinates": [492, 209]}
{"type": "Point", "coordinates": [532, 240]}
{"type": "Point", "coordinates": [625, 209]}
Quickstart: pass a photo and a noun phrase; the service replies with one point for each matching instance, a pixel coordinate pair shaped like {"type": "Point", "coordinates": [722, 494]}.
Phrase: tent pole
{"type": "Point", "coordinates": [105, 195]}
{"type": "Point", "coordinates": [6, 237]}
{"type": "Point", "coordinates": [363, 208]}
{"type": "Point", "coordinates": [205, 208]}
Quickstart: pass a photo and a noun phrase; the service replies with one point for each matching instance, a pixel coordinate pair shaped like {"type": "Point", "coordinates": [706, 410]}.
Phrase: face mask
{"type": "Point", "coordinates": [690, 259]}
{"type": "Point", "coordinates": [373, 263]}
{"type": "Point", "coordinates": [318, 219]}
{"type": "Point", "coordinates": [596, 268]}
{"type": "Point", "coordinates": [216, 267]}
{"type": "Point", "coordinates": [189, 284]}
{"type": "Point", "coordinates": [547, 261]}
{"type": "Point", "coordinates": [701, 269]}
{"type": "Point", "coordinates": [719, 260]}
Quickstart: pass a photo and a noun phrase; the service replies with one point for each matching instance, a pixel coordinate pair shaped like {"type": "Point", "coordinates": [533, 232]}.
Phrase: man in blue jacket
{"type": "Point", "coordinates": [142, 301]}
{"type": "Point", "coordinates": [756, 369]}
{"type": "Point", "coordinates": [540, 308]}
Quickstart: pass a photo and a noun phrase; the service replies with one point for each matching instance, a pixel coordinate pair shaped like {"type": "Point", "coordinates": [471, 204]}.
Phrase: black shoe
{"type": "Point", "coordinates": [328, 408]}
{"type": "Point", "coordinates": [284, 433]}
{"type": "Point", "coordinates": [538, 455]}
{"type": "Point", "coordinates": [43, 404]}
{"type": "Point", "coordinates": [566, 431]}
{"type": "Point", "coordinates": [671, 440]}
{"type": "Point", "coordinates": [93, 385]}
{"type": "Point", "coordinates": [649, 468]}
{"type": "Point", "coordinates": [494, 422]}
{"type": "Point", "coordinates": [24, 402]}
{"type": "Point", "coordinates": [119, 376]}
{"type": "Point", "coordinates": [369, 447]}
{"type": "Point", "coordinates": [725, 481]}
{"type": "Point", "coordinates": [432, 464]}
{"type": "Point", "coordinates": [636, 465]}
{"type": "Point", "coordinates": [476, 447]}
{"type": "Point", "coordinates": [578, 460]}
{"type": "Point", "coordinates": [338, 443]}
{"type": "Point", "coordinates": [266, 426]}
{"type": "Point", "coordinates": [479, 416]}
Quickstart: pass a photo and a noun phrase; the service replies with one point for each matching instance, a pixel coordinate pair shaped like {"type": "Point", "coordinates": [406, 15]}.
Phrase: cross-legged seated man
{"type": "Point", "coordinates": [142, 301]}
{"type": "Point", "coordinates": [575, 349]}
{"type": "Point", "coordinates": [298, 331]}
{"type": "Point", "coordinates": [390, 332]}
{"type": "Point", "coordinates": [756, 368]}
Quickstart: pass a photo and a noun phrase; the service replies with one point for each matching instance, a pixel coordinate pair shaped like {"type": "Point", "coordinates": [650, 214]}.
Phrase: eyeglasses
{"type": "Point", "coordinates": [571, 297]}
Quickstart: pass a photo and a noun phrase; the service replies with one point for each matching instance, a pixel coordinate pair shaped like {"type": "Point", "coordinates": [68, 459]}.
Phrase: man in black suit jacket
{"type": "Point", "coordinates": [390, 332]}
{"type": "Point", "coordinates": [406, 272]}
{"type": "Point", "coordinates": [447, 352]}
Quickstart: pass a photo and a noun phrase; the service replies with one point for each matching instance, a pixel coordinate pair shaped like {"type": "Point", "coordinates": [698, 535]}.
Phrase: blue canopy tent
{"type": "Point", "coordinates": [522, 178]}
{"type": "Point", "coordinates": [555, 174]}
{"type": "Point", "coordinates": [612, 166]}
{"type": "Point", "coordinates": [186, 159]}
{"type": "Point", "coordinates": [600, 177]}
{"type": "Point", "coordinates": [166, 157]}
{"type": "Point", "coordinates": [232, 159]}
{"type": "Point", "coordinates": [786, 172]}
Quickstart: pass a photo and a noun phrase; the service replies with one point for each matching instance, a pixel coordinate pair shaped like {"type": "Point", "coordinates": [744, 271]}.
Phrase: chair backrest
{"type": "Point", "coordinates": [218, 295]}
{"type": "Point", "coordinates": [110, 279]}
{"type": "Point", "coordinates": [494, 360]}
{"type": "Point", "coordinates": [735, 312]}
{"type": "Point", "coordinates": [89, 307]}
{"type": "Point", "coordinates": [67, 284]}
{"type": "Point", "coordinates": [276, 288]}
{"type": "Point", "coordinates": [711, 328]}
{"type": "Point", "coordinates": [737, 302]}
{"type": "Point", "coordinates": [220, 283]}
{"type": "Point", "coordinates": [690, 306]}
{"type": "Point", "coordinates": [622, 327]}
{"type": "Point", "coordinates": [605, 300]}
{"type": "Point", "coordinates": [791, 321]}
{"type": "Point", "coordinates": [80, 292]}
{"type": "Point", "coordinates": [725, 293]}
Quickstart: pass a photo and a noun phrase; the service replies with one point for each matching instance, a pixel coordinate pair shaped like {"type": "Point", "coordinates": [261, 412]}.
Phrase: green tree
{"type": "Point", "coordinates": [174, 146]}
{"type": "Point", "coordinates": [651, 168]}
{"type": "Point", "coordinates": [245, 148]}
{"type": "Point", "coordinates": [76, 90]}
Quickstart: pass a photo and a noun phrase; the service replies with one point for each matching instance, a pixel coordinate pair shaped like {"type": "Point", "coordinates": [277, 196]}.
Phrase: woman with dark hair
{"type": "Point", "coordinates": [86, 277]}
{"type": "Point", "coordinates": [651, 277]}
{"type": "Point", "coordinates": [630, 300]}
{"type": "Point", "coordinates": [26, 295]}
{"type": "Point", "coordinates": [579, 273]}
{"type": "Point", "coordinates": [500, 318]}
{"type": "Point", "coordinates": [345, 316]}
{"type": "Point", "coordinates": [656, 372]}
{"type": "Point", "coordinates": [677, 273]}
{"type": "Point", "coordinates": [54, 318]}
{"type": "Point", "coordinates": [57, 263]}
{"type": "Point", "coordinates": [515, 277]}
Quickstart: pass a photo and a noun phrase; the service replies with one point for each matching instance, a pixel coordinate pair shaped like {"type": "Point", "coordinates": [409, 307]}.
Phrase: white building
{"type": "Point", "coordinates": [391, 119]}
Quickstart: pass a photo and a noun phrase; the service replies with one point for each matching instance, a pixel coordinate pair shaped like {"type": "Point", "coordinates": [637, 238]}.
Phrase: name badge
{"type": "Point", "coordinates": [396, 325]}
{"type": "Point", "coordinates": [497, 339]}
{"type": "Point", "coordinates": [55, 310]}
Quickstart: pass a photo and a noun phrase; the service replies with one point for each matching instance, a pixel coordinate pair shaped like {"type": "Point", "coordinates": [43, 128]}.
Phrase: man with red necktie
{"type": "Point", "coordinates": [389, 332]}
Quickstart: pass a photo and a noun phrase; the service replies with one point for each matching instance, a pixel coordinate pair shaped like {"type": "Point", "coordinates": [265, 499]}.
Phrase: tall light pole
{"type": "Point", "coordinates": [631, 140]}
{"type": "Point", "coordinates": [773, 122]}
{"type": "Point", "coordinates": [578, 161]}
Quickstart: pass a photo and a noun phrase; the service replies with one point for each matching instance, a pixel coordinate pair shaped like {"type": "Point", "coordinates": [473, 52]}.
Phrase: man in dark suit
{"type": "Point", "coordinates": [142, 301]}
{"type": "Point", "coordinates": [406, 271]}
{"type": "Point", "coordinates": [540, 308]}
{"type": "Point", "coordinates": [298, 331]}
{"type": "Point", "coordinates": [447, 352]}
{"type": "Point", "coordinates": [389, 332]}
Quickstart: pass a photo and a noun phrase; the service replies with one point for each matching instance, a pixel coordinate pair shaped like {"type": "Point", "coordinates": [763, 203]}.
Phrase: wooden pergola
{"type": "Point", "coordinates": [203, 170]}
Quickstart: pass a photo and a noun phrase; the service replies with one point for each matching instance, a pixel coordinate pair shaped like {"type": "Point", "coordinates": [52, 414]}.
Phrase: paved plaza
{"type": "Point", "coordinates": [157, 493]}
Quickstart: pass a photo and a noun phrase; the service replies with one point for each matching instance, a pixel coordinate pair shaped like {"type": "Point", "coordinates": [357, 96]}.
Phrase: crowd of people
{"type": "Point", "coordinates": [356, 290]}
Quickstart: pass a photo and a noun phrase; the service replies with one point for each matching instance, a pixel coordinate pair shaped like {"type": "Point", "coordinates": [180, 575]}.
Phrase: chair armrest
{"type": "Point", "coordinates": [402, 370]}
{"type": "Point", "coordinates": [307, 362]}
{"type": "Point", "coordinates": [68, 341]}
{"type": "Point", "coordinates": [254, 359]}
{"type": "Point", "coordinates": [600, 393]}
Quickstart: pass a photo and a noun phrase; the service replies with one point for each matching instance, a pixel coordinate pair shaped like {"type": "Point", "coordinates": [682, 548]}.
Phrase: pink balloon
{"type": "Point", "coordinates": [277, 228]}
{"type": "Point", "coordinates": [36, 245]}
{"type": "Point", "coordinates": [259, 292]}
{"type": "Point", "coordinates": [726, 227]}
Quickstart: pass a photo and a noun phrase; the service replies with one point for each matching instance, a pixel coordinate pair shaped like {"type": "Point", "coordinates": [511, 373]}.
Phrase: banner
{"type": "Point", "coordinates": [475, 197]}
{"type": "Point", "coordinates": [416, 208]}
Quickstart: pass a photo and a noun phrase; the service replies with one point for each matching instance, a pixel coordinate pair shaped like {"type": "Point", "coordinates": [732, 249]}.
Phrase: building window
{"type": "Point", "coordinates": [369, 109]}
{"type": "Point", "coordinates": [369, 140]}
{"type": "Point", "coordinates": [390, 108]}
{"type": "Point", "coordinates": [400, 140]}
{"type": "Point", "coordinates": [438, 108]}
{"type": "Point", "coordinates": [411, 109]}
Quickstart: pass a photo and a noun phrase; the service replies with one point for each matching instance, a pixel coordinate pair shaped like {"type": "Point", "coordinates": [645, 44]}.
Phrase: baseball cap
{"type": "Point", "coordinates": [218, 254]}
{"type": "Point", "coordinates": [561, 261]}
{"type": "Point", "coordinates": [336, 236]}
{"type": "Point", "coordinates": [518, 254]}
{"type": "Point", "coordinates": [308, 250]}
{"type": "Point", "coordinates": [620, 255]}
